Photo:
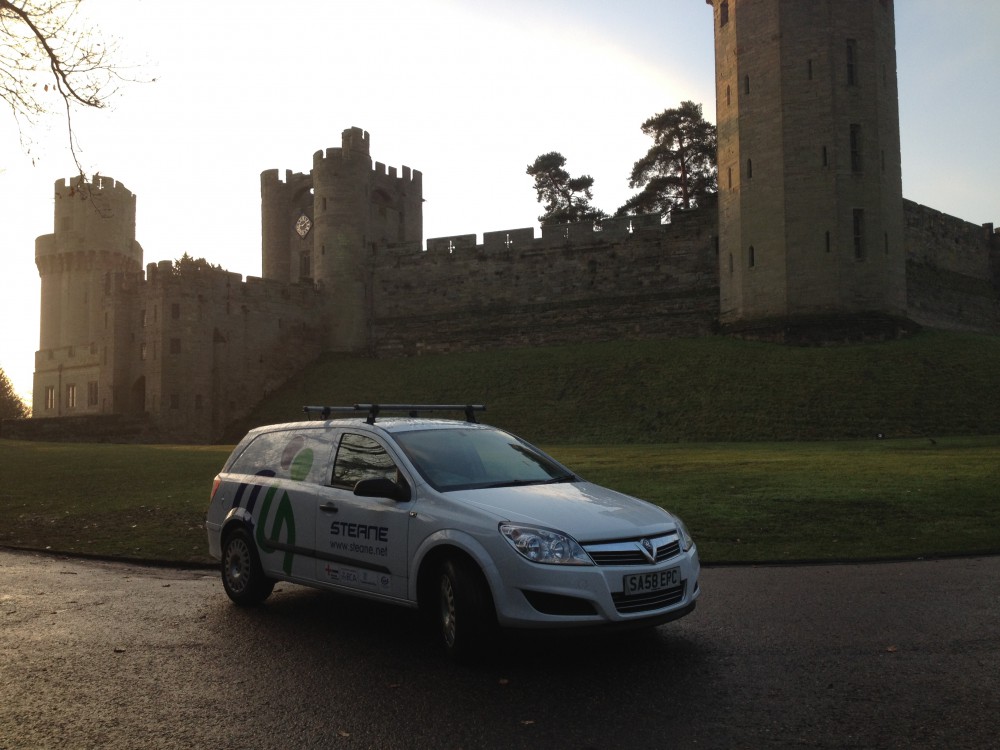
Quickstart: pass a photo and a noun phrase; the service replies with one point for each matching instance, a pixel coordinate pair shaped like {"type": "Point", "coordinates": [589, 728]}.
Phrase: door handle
{"type": "Point", "coordinates": [329, 508]}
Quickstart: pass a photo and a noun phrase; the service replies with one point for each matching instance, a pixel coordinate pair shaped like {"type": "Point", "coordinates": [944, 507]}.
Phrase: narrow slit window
{"type": "Point", "coordinates": [857, 163]}
{"type": "Point", "coordinates": [859, 234]}
{"type": "Point", "coordinates": [852, 62]}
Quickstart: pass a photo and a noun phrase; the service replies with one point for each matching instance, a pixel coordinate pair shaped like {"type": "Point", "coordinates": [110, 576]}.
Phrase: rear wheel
{"type": "Point", "coordinates": [464, 613]}
{"type": "Point", "coordinates": [242, 574]}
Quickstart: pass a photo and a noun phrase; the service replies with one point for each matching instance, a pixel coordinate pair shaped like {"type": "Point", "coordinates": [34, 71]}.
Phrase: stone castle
{"type": "Point", "coordinates": [809, 225]}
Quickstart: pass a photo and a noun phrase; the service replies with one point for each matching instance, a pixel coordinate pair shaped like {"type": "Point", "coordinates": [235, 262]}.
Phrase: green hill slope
{"type": "Point", "coordinates": [710, 389]}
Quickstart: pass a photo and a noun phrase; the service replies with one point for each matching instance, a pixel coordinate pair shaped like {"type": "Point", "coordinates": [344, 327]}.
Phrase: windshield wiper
{"type": "Point", "coordinates": [527, 482]}
{"type": "Point", "coordinates": [561, 478]}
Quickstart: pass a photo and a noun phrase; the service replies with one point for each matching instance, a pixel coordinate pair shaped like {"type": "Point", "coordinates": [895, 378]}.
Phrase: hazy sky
{"type": "Point", "coordinates": [467, 92]}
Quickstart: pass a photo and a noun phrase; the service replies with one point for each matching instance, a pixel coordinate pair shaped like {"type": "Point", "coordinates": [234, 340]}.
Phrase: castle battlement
{"type": "Point", "coordinates": [66, 187]}
{"type": "Point", "coordinates": [164, 279]}
{"type": "Point", "coordinates": [408, 176]}
{"type": "Point", "coordinates": [554, 235]}
{"type": "Point", "coordinates": [355, 143]}
{"type": "Point", "coordinates": [274, 176]}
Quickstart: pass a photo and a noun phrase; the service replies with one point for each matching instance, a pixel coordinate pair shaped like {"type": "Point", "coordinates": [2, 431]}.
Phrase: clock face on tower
{"type": "Point", "coordinates": [302, 225]}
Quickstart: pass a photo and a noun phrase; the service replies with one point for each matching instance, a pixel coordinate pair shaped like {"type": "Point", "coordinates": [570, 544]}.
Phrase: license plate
{"type": "Point", "coordinates": [642, 583]}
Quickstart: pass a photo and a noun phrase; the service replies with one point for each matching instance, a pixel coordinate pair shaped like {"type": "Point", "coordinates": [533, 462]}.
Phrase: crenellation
{"type": "Point", "coordinates": [449, 245]}
{"type": "Point", "coordinates": [275, 177]}
{"type": "Point", "coordinates": [508, 240]}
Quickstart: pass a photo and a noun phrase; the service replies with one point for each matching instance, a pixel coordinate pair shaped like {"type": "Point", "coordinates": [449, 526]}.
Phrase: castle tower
{"type": "Point", "coordinates": [810, 189]}
{"type": "Point", "coordinates": [94, 236]}
{"type": "Point", "coordinates": [325, 228]}
{"type": "Point", "coordinates": [286, 247]}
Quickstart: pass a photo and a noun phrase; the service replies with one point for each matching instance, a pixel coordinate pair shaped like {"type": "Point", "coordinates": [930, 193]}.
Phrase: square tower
{"type": "Point", "coordinates": [810, 188]}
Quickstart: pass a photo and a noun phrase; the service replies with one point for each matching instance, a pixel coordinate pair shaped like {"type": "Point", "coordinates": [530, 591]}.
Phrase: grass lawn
{"type": "Point", "coordinates": [816, 501]}
{"type": "Point", "coordinates": [744, 502]}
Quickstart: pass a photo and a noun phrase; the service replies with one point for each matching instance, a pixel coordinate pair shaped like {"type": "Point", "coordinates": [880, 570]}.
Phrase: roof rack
{"type": "Point", "coordinates": [411, 409]}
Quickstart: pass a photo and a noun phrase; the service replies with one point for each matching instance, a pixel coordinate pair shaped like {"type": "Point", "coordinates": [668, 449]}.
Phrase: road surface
{"type": "Point", "coordinates": [110, 655]}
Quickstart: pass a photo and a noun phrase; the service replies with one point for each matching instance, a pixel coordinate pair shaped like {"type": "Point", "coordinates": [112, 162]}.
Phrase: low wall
{"type": "Point", "coordinates": [104, 428]}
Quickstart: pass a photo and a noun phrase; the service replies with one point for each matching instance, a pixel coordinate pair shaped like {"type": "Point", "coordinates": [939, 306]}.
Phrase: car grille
{"type": "Point", "coordinates": [648, 602]}
{"type": "Point", "coordinates": [630, 552]}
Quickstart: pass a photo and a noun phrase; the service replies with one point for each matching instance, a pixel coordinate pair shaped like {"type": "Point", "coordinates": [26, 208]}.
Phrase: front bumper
{"type": "Point", "coordinates": [529, 595]}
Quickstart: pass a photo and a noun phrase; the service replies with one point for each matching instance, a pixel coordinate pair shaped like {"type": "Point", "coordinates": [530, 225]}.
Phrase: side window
{"type": "Point", "coordinates": [359, 457]}
{"type": "Point", "coordinates": [286, 454]}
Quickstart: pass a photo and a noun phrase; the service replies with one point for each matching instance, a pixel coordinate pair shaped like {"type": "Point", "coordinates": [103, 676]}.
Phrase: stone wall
{"type": "Point", "coordinates": [94, 428]}
{"type": "Point", "coordinates": [175, 355]}
{"type": "Point", "coordinates": [634, 278]}
{"type": "Point", "coordinates": [952, 271]}
{"type": "Point", "coordinates": [216, 345]}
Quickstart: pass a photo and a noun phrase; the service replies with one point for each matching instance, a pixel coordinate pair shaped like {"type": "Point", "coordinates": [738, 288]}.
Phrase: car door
{"type": "Point", "coordinates": [362, 541]}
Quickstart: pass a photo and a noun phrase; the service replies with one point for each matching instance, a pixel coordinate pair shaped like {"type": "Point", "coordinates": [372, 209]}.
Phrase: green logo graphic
{"type": "Point", "coordinates": [283, 518]}
{"type": "Point", "coordinates": [297, 461]}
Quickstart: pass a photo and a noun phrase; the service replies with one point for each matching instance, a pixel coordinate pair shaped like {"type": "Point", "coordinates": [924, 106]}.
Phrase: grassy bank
{"type": "Point", "coordinates": [709, 389]}
{"type": "Point", "coordinates": [744, 502]}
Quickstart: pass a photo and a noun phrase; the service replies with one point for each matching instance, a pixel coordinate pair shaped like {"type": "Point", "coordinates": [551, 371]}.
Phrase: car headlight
{"type": "Point", "coordinates": [685, 536]}
{"type": "Point", "coordinates": [545, 545]}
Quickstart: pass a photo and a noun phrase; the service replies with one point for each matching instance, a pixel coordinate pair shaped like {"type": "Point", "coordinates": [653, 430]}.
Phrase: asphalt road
{"type": "Point", "coordinates": [104, 655]}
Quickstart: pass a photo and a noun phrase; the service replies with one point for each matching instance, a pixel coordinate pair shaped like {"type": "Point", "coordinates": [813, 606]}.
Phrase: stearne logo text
{"type": "Point", "coordinates": [360, 531]}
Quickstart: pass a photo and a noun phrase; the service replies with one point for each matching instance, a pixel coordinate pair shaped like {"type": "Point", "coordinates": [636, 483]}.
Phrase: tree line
{"type": "Point", "coordinates": [677, 172]}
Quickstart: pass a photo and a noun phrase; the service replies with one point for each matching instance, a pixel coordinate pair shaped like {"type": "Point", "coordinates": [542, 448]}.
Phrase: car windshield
{"type": "Point", "coordinates": [459, 459]}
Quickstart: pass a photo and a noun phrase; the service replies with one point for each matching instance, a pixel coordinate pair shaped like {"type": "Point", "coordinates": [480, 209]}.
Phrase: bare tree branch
{"type": "Point", "coordinates": [51, 59]}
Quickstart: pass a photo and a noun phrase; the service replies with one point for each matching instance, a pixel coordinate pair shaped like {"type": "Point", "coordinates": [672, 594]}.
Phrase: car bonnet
{"type": "Point", "coordinates": [585, 511]}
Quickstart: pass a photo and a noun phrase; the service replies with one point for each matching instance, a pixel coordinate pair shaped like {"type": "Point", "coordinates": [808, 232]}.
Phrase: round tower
{"type": "Point", "coordinates": [810, 188]}
{"type": "Point", "coordinates": [94, 235]}
{"type": "Point", "coordinates": [341, 179]}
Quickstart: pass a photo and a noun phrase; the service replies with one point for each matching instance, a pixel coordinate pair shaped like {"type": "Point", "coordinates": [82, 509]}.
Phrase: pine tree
{"type": "Point", "coordinates": [679, 169]}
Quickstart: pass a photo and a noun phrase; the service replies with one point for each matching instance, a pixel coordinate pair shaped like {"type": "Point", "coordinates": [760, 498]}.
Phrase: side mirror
{"type": "Point", "coordinates": [382, 487]}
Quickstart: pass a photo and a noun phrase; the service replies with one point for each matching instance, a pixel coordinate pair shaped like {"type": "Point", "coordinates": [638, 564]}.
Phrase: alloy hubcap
{"type": "Point", "coordinates": [447, 611]}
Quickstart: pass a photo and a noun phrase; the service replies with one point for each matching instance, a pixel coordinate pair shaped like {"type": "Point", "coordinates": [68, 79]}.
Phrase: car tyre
{"type": "Point", "coordinates": [242, 574]}
{"type": "Point", "coordinates": [465, 616]}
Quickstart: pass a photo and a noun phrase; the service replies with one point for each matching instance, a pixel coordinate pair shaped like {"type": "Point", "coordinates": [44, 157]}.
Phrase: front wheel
{"type": "Point", "coordinates": [465, 615]}
{"type": "Point", "coordinates": [242, 574]}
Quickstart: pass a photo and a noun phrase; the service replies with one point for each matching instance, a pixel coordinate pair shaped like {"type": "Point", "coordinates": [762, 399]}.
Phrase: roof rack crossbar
{"type": "Point", "coordinates": [326, 411]}
{"type": "Point", "coordinates": [411, 409]}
